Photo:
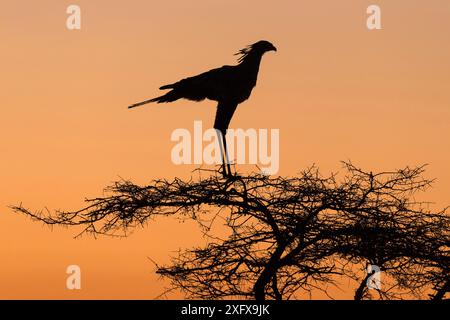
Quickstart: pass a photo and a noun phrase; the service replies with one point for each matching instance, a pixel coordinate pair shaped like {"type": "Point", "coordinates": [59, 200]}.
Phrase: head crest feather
{"type": "Point", "coordinates": [244, 53]}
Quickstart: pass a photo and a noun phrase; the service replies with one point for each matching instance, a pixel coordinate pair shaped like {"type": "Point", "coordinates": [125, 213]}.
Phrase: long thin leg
{"type": "Point", "coordinates": [222, 151]}
{"type": "Point", "coordinates": [226, 153]}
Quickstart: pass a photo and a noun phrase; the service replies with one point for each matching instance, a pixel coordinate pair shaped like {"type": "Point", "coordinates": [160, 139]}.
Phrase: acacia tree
{"type": "Point", "coordinates": [286, 236]}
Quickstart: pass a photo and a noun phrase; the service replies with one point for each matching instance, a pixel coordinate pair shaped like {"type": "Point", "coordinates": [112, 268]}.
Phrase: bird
{"type": "Point", "coordinates": [228, 86]}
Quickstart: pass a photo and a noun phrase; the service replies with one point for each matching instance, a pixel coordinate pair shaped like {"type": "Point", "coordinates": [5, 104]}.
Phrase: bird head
{"type": "Point", "coordinates": [263, 46]}
{"type": "Point", "coordinates": [258, 48]}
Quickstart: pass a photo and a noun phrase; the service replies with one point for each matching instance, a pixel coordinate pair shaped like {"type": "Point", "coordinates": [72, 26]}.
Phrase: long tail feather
{"type": "Point", "coordinates": [168, 97]}
{"type": "Point", "coordinates": [167, 86]}
{"type": "Point", "coordinates": [143, 102]}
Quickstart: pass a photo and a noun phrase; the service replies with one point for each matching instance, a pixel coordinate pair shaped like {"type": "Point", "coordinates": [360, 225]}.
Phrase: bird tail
{"type": "Point", "coordinates": [142, 103]}
{"type": "Point", "coordinates": [168, 97]}
{"type": "Point", "coordinates": [167, 86]}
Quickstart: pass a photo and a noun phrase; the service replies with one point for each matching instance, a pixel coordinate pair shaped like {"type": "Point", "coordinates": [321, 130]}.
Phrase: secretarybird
{"type": "Point", "coordinates": [228, 85]}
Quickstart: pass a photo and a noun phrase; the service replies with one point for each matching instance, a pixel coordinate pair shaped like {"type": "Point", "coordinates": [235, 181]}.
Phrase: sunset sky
{"type": "Point", "coordinates": [335, 90]}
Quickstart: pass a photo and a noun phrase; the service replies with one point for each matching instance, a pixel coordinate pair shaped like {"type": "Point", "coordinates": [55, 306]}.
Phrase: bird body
{"type": "Point", "coordinates": [228, 85]}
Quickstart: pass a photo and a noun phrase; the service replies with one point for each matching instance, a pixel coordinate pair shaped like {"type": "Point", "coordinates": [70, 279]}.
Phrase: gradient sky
{"type": "Point", "coordinates": [336, 91]}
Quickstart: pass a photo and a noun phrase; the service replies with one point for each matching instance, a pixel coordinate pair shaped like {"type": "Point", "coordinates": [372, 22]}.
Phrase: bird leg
{"type": "Point", "coordinates": [224, 153]}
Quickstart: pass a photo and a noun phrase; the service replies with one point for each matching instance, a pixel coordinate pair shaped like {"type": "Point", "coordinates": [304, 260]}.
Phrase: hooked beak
{"type": "Point", "coordinates": [274, 48]}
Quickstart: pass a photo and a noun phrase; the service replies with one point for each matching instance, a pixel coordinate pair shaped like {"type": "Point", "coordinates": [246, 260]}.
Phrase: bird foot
{"type": "Point", "coordinates": [234, 177]}
{"type": "Point", "coordinates": [230, 176]}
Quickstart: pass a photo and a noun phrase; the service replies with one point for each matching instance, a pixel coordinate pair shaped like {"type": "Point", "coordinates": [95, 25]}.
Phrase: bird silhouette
{"type": "Point", "coordinates": [228, 85]}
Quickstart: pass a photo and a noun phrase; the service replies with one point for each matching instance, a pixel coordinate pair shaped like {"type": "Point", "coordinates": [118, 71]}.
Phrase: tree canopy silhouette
{"type": "Point", "coordinates": [286, 237]}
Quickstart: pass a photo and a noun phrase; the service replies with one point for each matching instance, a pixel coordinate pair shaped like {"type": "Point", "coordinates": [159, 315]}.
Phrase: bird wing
{"type": "Point", "coordinates": [211, 84]}
{"type": "Point", "coordinates": [224, 113]}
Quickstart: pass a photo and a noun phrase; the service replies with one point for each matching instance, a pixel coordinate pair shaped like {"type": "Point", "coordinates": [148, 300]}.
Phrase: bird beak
{"type": "Point", "coordinates": [274, 48]}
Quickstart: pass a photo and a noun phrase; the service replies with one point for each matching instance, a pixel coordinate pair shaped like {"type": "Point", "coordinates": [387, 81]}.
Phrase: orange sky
{"type": "Point", "coordinates": [336, 91]}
